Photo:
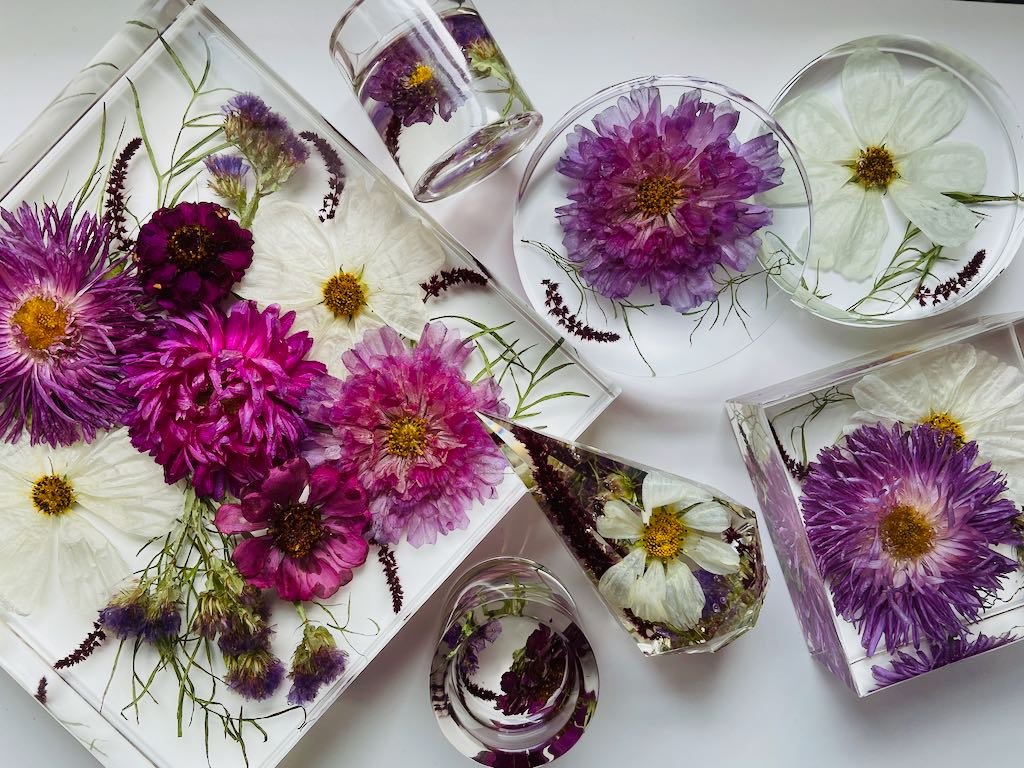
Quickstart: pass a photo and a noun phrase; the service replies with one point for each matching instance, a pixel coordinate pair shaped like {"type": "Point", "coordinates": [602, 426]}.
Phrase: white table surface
{"type": "Point", "coordinates": [763, 701]}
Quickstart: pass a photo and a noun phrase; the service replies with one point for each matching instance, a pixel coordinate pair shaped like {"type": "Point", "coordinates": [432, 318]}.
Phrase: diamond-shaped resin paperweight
{"type": "Point", "coordinates": [679, 563]}
{"type": "Point", "coordinates": [891, 486]}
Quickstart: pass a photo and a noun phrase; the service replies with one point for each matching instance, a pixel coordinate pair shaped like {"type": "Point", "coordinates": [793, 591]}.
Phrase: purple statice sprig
{"type": "Point", "coordinates": [335, 173]}
{"type": "Point", "coordinates": [948, 288]}
{"type": "Point", "coordinates": [115, 203]}
{"type": "Point", "coordinates": [229, 179]}
{"type": "Point", "coordinates": [85, 649]}
{"type": "Point", "coordinates": [40, 694]}
{"type": "Point", "coordinates": [568, 320]}
{"type": "Point", "coordinates": [449, 278]}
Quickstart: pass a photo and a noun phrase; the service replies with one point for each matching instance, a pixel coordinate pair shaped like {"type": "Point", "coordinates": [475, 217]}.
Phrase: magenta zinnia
{"type": "Point", "coordinates": [660, 197]}
{"type": "Point", "coordinates": [307, 530]}
{"type": "Point", "coordinates": [903, 525]}
{"type": "Point", "coordinates": [218, 396]}
{"type": "Point", "coordinates": [405, 421]}
{"type": "Point", "coordinates": [66, 321]}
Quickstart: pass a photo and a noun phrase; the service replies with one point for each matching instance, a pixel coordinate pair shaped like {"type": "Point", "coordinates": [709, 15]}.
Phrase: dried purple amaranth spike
{"type": "Point", "coordinates": [796, 469]}
{"type": "Point", "coordinates": [114, 207]}
{"type": "Point", "coordinates": [449, 278]}
{"type": "Point", "coordinates": [85, 649]}
{"type": "Point", "coordinates": [557, 309]}
{"type": "Point", "coordinates": [335, 170]}
{"type": "Point", "coordinates": [41, 691]}
{"type": "Point", "coordinates": [944, 290]}
{"type": "Point", "coordinates": [386, 556]}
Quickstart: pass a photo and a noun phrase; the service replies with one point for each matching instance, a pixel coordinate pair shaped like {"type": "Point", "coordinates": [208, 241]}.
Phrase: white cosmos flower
{"type": "Point", "coordinates": [678, 529]}
{"type": "Point", "coordinates": [358, 271]}
{"type": "Point", "coordinates": [892, 149]}
{"type": "Point", "coordinates": [971, 395]}
{"type": "Point", "coordinates": [58, 508]}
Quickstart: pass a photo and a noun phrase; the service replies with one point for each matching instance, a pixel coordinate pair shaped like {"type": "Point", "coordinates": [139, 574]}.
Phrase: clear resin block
{"type": "Point", "coordinates": [891, 486]}
{"type": "Point", "coordinates": [679, 563]}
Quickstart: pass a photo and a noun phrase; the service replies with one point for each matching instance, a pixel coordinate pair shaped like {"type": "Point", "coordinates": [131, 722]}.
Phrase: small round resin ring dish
{"type": "Point", "coordinates": [643, 233]}
{"type": "Point", "coordinates": [915, 157]}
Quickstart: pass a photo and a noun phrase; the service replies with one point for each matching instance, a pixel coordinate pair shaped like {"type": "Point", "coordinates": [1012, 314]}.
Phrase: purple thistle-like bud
{"type": "Point", "coordinates": [255, 675]}
{"type": "Point", "coordinates": [162, 624]}
{"type": "Point", "coordinates": [125, 615]}
{"type": "Point", "coordinates": [317, 662]}
{"type": "Point", "coordinates": [211, 616]}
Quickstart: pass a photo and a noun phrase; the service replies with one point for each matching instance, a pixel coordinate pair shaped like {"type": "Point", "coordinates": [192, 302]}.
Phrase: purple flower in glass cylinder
{"type": "Point", "coordinates": [68, 316]}
{"type": "Point", "coordinates": [538, 670]}
{"type": "Point", "coordinates": [405, 421]}
{"type": "Point", "coordinates": [660, 197]}
{"type": "Point", "coordinates": [939, 654]}
{"type": "Point", "coordinates": [902, 525]}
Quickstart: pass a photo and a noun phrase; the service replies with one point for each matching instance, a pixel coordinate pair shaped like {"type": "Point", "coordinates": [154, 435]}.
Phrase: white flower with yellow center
{"type": "Point", "coordinates": [970, 395]}
{"type": "Point", "coordinates": [355, 272]}
{"type": "Point", "coordinates": [889, 147]}
{"type": "Point", "coordinates": [679, 529]}
{"type": "Point", "coordinates": [59, 509]}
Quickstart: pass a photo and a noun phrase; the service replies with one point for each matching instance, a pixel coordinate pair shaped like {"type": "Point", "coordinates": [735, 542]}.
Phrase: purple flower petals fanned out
{"type": "Point", "coordinates": [191, 255]}
{"type": "Point", "coordinates": [405, 421]}
{"type": "Point", "coordinates": [307, 530]}
{"type": "Point", "coordinates": [218, 396]}
{"type": "Point", "coordinates": [69, 314]}
{"type": "Point", "coordinates": [659, 197]}
{"type": "Point", "coordinates": [940, 653]}
{"type": "Point", "coordinates": [902, 525]}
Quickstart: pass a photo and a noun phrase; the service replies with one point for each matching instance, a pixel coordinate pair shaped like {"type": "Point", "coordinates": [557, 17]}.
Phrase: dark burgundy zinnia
{"type": "Point", "coordinates": [191, 255]}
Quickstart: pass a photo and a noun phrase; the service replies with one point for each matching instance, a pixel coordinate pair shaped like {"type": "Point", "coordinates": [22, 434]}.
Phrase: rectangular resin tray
{"type": "Point", "coordinates": [177, 56]}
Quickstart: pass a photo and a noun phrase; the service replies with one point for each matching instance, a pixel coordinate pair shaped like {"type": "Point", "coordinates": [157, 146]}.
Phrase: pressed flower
{"type": "Point", "coordinates": [317, 662]}
{"type": "Point", "coordinates": [360, 270]}
{"type": "Point", "coordinates": [471, 639]}
{"type": "Point", "coordinates": [940, 653]}
{"type": "Point", "coordinates": [263, 136]}
{"type": "Point", "coordinates": [903, 526]}
{"type": "Point", "coordinates": [967, 394]}
{"type": "Point", "coordinates": [679, 530]}
{"type": "Point", "coordinates": [307, 529]}
{"type": "Point", "coordinates": [57, 506]}
{"type": "Point", "coordinates": [191, 255]}
{"type": "Point", "coordinates": [218, 396]}
{"type": "Point", "coordinates": [660, 198]}
{"type": "Point", "coordinates": [228, 175]}
{"type": "Point", "coordinates": [405, 421]}
{"type": "Point", "coordinates": [68, 317]}
{"type": "Point", "coordinates": [889, 146]}
{"type": "Point", "coordinates": [537, 673]}
{"type": "Point", "coordinates": [254, 675]}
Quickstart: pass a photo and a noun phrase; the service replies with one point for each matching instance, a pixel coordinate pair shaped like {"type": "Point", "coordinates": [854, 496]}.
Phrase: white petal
{"type": "Point", "coordinates": [399, 304]}
{"type": "Point", "coordinates": [848, 230]}
{"type": "Point", "coordinates": [661, 489]}
{"type": "Point", "coordinates": [824, 177]}
{"type": "Point", "coordinates": [647, 598]}
{"type": "Point", "coordinates": [820, 132]}
{"type": "Point", "coordinates": [684, 598]}
{"type": "Point", "coordinates": [619, 521]}
{"type": "Point", "coordinates": [89, 566]}
{"type": "Point", "coordinates": [943, 220]}
{"type": "Point", "coordinates": [711, 554]}
{"type": "Point", "coordinates": [987, 391]}
{"type": "Point", "coordinates": [617, 582]}
{"type": "Point", "coordinates": [709, 516]}
{"type": "Point", "coordinates": [950, 166]}
{"type": "Point", "coordinates": [289, 233]}
{"type": "Point", "coordinates": [333, 340]}
{"type": "Point", "coordinates": [416, 252]}
{"type": "Point", "coordinates": [27, 542]}
{"type": "Point", "coordinates": [872, 87]}
{"type": "Point", "coordinates": [933, 105]}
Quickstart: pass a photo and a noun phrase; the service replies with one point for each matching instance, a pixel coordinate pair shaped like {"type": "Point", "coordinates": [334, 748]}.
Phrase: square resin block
{"type": "Point", "coordinates": [891, 487]}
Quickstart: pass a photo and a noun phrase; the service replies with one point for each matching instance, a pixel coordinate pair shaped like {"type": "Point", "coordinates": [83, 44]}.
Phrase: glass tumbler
{"type": "Point", "coordinates": [514, 680]}
{"type": "Point", "coordinates": [437, 88]}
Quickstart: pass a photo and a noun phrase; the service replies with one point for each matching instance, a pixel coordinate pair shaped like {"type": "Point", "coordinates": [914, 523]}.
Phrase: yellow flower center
{"type": "Point", "coordinates": [656, 195]}
{"type": "Point", "coordinates": [420, 74]}
{"type": "Point", "coordinates": [407, 437]}
{"type": "Point", "coordinates": [948, 426]}
{"type": "Point", "coordinates": [190, 246]}
{"type": "Point", "coordinates": [663, 535]}
{"type": "Point", "coordinates": [52, 495]}
{"type": "Point", "coordinates": [875, 168]}
{"type": "Point", "coordinates": [297, 530]}
{"type": "Point", "coordinates": [41, 322]}
{"type": "Point", "coordinates": [344, 294]}
{"type": "Point", "coordinates": [906, 534]}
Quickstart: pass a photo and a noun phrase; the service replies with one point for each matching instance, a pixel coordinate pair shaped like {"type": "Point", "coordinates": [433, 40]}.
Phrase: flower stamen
{"type": "Point", "coordinates": [297, 530]}
{"type": "Point", "coordinates": [948, 426]}
{"type": "Point", "coordinates": [407, 437]}
{"type": "Point", "coordinates": [906, 534]}
{"type": "Point", "coordinates": [41, 322]}
{"type": "Point", "coordinates": [420, 75]}
{"type": "Point", "coordinates": [190, 246]}
{"type": "Point", "coordinates": [663, 535]}
{"type": "Point", "coordinates": [875, 168]}
{"type": "Point", "coordinates": [52, 495]}
{"type": "Point", "coordinates": [656, 195]}
{"type": "Point", "coordinates": [344, 294]}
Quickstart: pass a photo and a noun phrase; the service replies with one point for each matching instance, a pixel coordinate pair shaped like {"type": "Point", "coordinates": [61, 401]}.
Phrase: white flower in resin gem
{"type": "Point", "coordinates": [358, 271]}
{"type": "Point", "coordinates": [889, 147]}
{"type": "Point", "coordinates": [965, 392]}
{"type": "Point", "coordinates": [61, 506]}
{"type": "Point", "coordinates": [678, 530]}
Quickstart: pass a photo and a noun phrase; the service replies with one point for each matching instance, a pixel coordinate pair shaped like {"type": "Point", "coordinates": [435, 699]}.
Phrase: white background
{"type": "Point", "coordinates": [762, 702]}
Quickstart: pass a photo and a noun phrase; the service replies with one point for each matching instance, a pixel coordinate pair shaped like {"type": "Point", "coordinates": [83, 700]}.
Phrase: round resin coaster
{"type": "Point", "coordinates": [643, 230]}
{"type": "Point", "coordinates": [914, 156]}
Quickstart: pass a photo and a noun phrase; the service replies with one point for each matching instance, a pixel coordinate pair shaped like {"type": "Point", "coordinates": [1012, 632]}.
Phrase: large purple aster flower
{"type": "Point", "coordinates": [405, 419]}
{"type": "Point", "coordinates": [191, 255]}
{"type": "Point", "coordinates": [218, 396]}
{"type": "Point", "coordinates": [67, 318]}
{"type": "Point", "coordinates": [659, 198]}
{"type": "Point", "coordinates": [940, 653]}
{"type": "Point", "coordinates": [902, 525]}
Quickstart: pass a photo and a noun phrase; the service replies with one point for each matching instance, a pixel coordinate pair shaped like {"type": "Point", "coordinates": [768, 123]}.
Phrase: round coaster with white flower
{"type": "Point", "coordinates": [915, 158]}
{"type": "Point", "coordinates": [643, 231]}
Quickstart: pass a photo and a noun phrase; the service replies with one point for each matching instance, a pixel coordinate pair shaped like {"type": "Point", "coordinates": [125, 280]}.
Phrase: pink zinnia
{"type": "Point", "coordinates": [307, 528]}
{"type": "Point", "coordinates": [218, 396]}
{"type": "Point", "coordinates": [405, 420]}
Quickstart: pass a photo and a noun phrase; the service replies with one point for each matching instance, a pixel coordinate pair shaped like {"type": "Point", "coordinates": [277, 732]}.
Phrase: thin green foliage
{"type": "Point", "coordinates": [811, 408]}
